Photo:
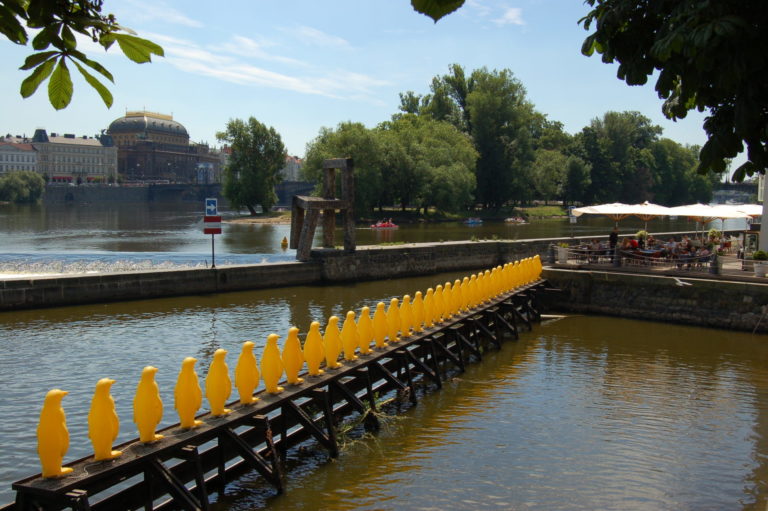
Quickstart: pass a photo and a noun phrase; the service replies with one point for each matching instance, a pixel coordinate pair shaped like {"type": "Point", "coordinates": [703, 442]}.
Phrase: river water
{"type": "Point", "coordinates": [68, 238]}
{"type": "Point", "coordinates": [581, 413]}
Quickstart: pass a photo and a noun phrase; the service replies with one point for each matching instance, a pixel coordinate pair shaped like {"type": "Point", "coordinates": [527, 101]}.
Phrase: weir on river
{"type": "Point", "coordinates": [445, 333]}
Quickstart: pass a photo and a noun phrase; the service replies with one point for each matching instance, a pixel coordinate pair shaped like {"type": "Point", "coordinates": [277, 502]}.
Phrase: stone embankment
{"type": "Point", "coordinates": [703, 301]}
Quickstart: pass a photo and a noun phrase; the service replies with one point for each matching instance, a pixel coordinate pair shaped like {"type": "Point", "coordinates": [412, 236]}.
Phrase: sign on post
{"type": "Point", "coordinates": [212, 224]}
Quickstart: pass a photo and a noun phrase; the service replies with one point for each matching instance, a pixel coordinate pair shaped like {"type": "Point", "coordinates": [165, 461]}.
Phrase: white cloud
{"type": "Point", "coordinates": [221, 63]}
{"type": "Point", "coordinates": [511, 16]}
{"type": "Point", "coordinates": [159, 11]}
{"type": "Point", "coordinates": [246, 47]}
{"type": "Point", "coordinates": [317, 37]}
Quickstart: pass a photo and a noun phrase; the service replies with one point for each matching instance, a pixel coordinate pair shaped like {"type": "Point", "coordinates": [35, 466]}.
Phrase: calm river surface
{"type": "Point", "coordinates": [581, 413]}
{"type": "Point", "coordinates": [102, 237]}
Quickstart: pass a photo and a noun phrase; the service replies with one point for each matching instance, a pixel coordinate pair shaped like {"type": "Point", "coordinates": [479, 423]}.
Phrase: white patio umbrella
{"type": "Point", "coordinates": [618, 211]}
{"type": "Point", "coordinates": [648, 210]}
{"type": "Point", "coordinates": [704, 213]}
{"type": "Point", "coordinates": [615, 210]}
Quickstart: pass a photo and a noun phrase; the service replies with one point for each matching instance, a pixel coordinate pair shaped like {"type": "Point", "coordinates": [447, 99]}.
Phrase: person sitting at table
{"type": "Point", "coordinates": [594, 251]}
{"type": "Point", "coordinates": [626, 245]}
{"type": "Point", "coordinates": [634, 243]}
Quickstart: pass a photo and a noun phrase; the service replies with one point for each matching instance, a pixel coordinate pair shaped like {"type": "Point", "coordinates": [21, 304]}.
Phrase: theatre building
{"type": "Point", "coordinates": [152, 147]}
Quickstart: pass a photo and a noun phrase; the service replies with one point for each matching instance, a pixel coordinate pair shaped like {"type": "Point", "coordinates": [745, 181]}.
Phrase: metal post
{"type": "Point", "coordinates": [213, 253]}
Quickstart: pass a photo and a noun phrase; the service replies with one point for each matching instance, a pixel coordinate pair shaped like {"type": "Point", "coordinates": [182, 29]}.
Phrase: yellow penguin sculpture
{"type": "Point", "coordinates": [246, 374]}
{"type": "Point", "coordinates": [448, 311]}
{"type": "Point", "coordinates": [314, 351]}
{"type": "Point", "coordinates": [52, 435]}
{"type": "Point", "coordinates": [429, 308]}
{"type": "Point", "coordinates": [457, 300]}
{"type": "Point", "coordinates": [406, 317]}
{"type": "Point", "coordinates": [147, 406]}
{"type": "Point", "coordinates": [218, 385]}
{"type": "Point", "coordinates": [418, 312]}
{"type": "Point", "coordinates": [364, 331]}
{"type": "Point", "coordinates": [103, 424]}
{"type": "Point", "coordinates": [473, 291]}
{"type": "Point", "coordinates": [380, 326]}
{"type": "Point", "coordinates": [438, 308]}
{"type": "Point", "coordinates": [393, 320]}
{"type": "Point", "coordinates": [188, 396]}
{"type": "Point", "coordinates": [332, 343]}
{"type": "Point", "coordinates": [465, 294]}
{"type": "Point", "coordinates": [293, 357]}
{"type": "Point", "coordinates": [272, 365]}
{"type": "Point", "coordinates": [349, 340]}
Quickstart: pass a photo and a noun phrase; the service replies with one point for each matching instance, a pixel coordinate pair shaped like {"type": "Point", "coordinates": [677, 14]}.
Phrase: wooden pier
{"type": "Point", "coordinates": [184, 468]}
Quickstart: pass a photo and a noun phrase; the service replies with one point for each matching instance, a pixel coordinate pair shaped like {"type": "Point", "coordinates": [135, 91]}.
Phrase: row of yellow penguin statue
{"type": "Point", "coordinates": [399, 321]}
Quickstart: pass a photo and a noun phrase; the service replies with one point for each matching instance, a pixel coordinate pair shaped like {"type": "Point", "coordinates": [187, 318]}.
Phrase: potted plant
{"type": "Point", "coordinates": [760, 258]}
{"type": "Point", "coordinates": [562, 252]}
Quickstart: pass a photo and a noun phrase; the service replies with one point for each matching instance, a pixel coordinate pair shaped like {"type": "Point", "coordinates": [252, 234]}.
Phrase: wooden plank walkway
{"type": "Point", "coordinates": [184, 468]}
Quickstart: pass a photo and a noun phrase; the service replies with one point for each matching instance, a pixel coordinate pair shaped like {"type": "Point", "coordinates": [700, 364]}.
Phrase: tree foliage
{"type": "Point", "coordinates": [409, 161]}
{"type": "Point", "coordinates": [710, 56]}
{"type": "Point", "coordinates": [55, 44]}
{"type": "Point", "coordinates": [22, 186]}
{"type": "Point", "coordinates": [254, 166]}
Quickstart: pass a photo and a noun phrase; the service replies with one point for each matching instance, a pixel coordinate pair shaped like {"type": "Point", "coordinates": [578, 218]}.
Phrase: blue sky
{"type": "Point", "coordinates": [299, 65]}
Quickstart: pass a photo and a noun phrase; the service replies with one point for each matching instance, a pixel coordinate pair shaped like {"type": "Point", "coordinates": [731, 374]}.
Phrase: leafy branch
{"type": "Point", "coordinates": [56, 44]}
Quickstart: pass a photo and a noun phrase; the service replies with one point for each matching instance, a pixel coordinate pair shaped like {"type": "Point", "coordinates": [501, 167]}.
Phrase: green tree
{"type": "Point", "coordinates": [435, 163]}
{"type": "Point", "coordinates": [254, 166]}
{"type": "Point", "coordinates": [55, 44]}
{"type": "Point", "coordinates": [353, 140]}
{"type": "Point", "coordinates": [500, 117]}
{"type": "Point", "coordinates": [709, 56]}
{"type": "Point", "coordinates": [549, 171]}
{"type": "Point", "coordinates": [617, 147]}
{"type": "Point", "coordinates": [577, 180]}
{"type": "Point", "coordinates": [22, 186]}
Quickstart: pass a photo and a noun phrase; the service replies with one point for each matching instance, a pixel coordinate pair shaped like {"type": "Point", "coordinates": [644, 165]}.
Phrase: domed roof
{"type": "Point", "coordinates": [137, 122]}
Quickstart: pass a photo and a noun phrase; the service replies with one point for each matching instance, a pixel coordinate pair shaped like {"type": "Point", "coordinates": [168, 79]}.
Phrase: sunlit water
{"type": "Point", "coordinates": [77, 238]}
{"type": "Point", "coordinates": [581, 413]}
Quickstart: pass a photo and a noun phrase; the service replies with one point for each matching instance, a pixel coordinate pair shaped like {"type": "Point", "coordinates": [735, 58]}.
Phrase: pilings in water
{"type": "Point", "coordinates": [183, 468]}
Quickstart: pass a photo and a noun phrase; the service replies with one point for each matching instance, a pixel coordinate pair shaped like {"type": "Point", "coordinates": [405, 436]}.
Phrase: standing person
{"type": "Point", "coordinates": [613, 238]}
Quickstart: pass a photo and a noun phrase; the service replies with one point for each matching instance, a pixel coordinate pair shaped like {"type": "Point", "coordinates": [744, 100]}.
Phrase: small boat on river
{"type": "Point", "coordinates": [473, 221]}
{"type": "Point", "coordinates": [384, 225]}
{"type": "Point", "coordinates": [515, 220]}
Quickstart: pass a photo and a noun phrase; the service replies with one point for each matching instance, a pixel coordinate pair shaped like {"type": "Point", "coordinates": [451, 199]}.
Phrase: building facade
{"type": "Point", "coordinates": [17, 156]}
{"type": "Point", "coordinates": [70, 159]}
{"type": "Point", "coordinates": [152, 147]}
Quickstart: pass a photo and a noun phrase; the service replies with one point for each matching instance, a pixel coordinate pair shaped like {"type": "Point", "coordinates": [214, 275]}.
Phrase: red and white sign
{"type": "Point", "coordinates": [212, 224]}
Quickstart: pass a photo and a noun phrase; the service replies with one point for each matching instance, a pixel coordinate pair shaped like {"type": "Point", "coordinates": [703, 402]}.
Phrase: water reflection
{"type": "Point", "coordinates": [585, 413]}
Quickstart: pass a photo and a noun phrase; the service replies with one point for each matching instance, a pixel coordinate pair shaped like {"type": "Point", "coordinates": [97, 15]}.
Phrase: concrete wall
{"type": "Point", "coordinates": [694, 301]}
{"type": "Point", "coordinates": [326, 267]}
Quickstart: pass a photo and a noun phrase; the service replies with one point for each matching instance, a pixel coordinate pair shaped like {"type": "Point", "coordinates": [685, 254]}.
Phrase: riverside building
{"type": "Point", "coordinates": [70, 159]}
{"type": "Point", "coordinates": [152, 147]}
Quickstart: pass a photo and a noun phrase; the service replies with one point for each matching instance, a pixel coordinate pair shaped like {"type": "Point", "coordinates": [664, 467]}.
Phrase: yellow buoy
{"type": "Point", "coordinates": [147, 406]}
{"type": "Point", "coordinates": [271, 365]}
{"type": "Point", "coordinates": [52, 435]}
{"type": "Point", "coordinates": [293, 357]}
{"type": "Point", "coordinates": [103, 423]}
{"type": "Point", "coordinates": [314, 351]}
{"type": "Point", "coordinates": [284, 243]}
{"type": "Point", "coordinates": [247, 374]}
